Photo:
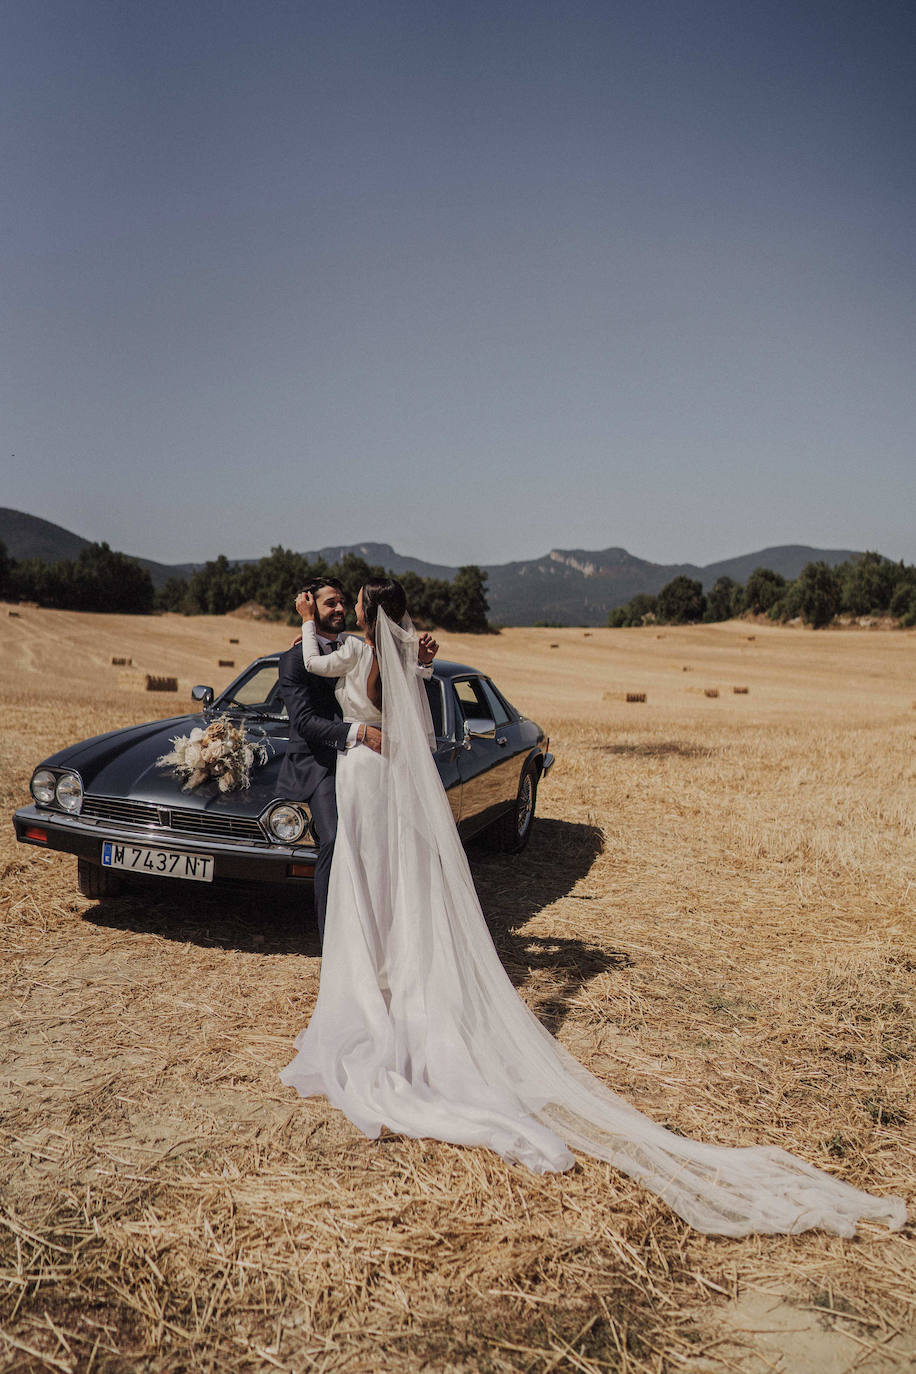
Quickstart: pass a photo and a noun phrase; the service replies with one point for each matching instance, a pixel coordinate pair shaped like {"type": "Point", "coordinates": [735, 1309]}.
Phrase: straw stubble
{"type": "Point", "coordinates": [715, 915]}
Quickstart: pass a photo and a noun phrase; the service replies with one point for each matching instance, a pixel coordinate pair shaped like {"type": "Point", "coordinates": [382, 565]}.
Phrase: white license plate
{"type": "Point", "coordinates": [157, 863]}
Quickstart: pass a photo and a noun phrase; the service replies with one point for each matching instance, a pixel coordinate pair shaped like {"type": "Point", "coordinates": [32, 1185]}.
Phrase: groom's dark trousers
{"type": "Point", "coordinates": [316, 735]}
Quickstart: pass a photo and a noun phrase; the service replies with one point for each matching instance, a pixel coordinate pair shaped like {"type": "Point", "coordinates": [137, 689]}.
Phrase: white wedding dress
{"type": "Point", "coordinates": [418, 1029]}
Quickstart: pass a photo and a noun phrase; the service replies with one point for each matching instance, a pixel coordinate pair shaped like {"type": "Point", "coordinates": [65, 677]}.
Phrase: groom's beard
{"type": "Point", "coordinates": [331, 626]}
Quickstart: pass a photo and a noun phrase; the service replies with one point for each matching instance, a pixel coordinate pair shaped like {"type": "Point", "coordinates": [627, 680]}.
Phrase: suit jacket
{"type": "Point", "coordinates": [316, 730]}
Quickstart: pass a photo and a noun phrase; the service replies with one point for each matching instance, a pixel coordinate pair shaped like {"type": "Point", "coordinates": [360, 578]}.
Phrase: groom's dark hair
{"type": "Point", "coordinates": [315, 584]}
{"type": "Point", "coordinates": [386, 594]}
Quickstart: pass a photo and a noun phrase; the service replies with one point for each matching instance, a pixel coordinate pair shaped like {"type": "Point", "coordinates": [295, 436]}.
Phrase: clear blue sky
{"type": "Point", "coordinates": [477, 279]}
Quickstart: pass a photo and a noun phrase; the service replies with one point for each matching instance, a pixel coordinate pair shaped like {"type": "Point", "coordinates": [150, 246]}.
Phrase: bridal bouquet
{"type": "Point", "coordinates": [222, 751]}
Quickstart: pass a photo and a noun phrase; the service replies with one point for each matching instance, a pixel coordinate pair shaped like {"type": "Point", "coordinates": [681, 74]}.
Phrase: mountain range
{"type": "Point", "coordinates": [565, 586]}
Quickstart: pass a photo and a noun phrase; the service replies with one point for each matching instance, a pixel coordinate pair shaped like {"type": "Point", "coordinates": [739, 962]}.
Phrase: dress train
{"type": "Point", "coordinates": [417, 1027]}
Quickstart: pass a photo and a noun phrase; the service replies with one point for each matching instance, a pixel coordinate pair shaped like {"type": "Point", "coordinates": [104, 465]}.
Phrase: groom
{"type": "Point", "coordinates": [317, 733]}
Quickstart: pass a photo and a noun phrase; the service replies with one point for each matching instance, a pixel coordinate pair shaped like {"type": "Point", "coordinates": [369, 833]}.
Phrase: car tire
{"type": "Point", "coordinates": [512, 831]}
{"type": "Point", "coordinates": [95, 881]}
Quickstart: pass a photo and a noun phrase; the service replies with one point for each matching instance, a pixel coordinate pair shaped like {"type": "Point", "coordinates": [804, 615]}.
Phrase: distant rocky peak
{"type": "Point", "coordinates": [591, 564]}
{"type": "Point", "coordinates": [569, 560]}
{"type": "Point", "coordinates": [372, 553]}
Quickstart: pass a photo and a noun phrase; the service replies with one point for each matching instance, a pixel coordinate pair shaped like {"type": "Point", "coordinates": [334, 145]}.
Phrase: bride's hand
{"type": "Point", "coordinates": [305, 605]}
{"type": "Point", "coordinates": [372, 737]}
{"type": "Point", "coordinates": [427, 648]}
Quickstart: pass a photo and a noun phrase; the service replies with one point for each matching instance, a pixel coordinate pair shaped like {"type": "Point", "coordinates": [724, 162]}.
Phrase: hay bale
{"type": "Point", "coordinates": [233, 641]}
{"type": "Point", "coordinates": [161, 684]}
{"type": "Point", "coordinates": [636, 696]}
{"type": "Point", "coordinates": [121, 662]}
{"type": "Point", "coordinates": [226, 662]}
{"type": "Point", "coordinates": [711, 691]}
{"type": "Point", "coordinates": [554, 646]}
{"type": "Point", "coordinates": [14, 614]}
{"type": "Point", "coordinates": [751, 638]}
{"type": "Point", "coordinates": [741, 691]}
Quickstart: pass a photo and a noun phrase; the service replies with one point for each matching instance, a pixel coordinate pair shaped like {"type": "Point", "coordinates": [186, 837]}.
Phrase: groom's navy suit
{"type": "Point", "coordinates": [316, 735]}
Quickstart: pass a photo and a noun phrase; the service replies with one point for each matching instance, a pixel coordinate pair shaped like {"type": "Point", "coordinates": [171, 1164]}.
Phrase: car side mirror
{"type": "Point", "coordinates": [202, 694]}
{"type": "Point", "coordinates": [478, 727]}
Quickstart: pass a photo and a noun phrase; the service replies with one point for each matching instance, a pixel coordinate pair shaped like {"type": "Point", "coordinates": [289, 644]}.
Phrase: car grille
{"type": "Point", "coordinates": [176, 819]}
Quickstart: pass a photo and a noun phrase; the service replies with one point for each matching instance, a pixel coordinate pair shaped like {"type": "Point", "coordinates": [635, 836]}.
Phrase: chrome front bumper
{"type": "Point", "coordinates": [234, 860]}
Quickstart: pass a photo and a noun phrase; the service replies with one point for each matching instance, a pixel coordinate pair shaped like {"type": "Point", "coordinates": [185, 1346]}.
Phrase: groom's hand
{"type": "Point", "coordinates": [373, 738]}
{"type": "Point", "coordinates": [427, 648]}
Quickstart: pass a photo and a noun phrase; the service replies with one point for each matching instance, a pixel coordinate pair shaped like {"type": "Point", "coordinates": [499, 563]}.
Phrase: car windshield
{"type": "Point", "coordinates": [258, 691]}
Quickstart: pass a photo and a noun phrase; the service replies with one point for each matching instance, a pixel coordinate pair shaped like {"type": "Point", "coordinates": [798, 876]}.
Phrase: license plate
{"type": "Point", "coordinates": [157, 863]}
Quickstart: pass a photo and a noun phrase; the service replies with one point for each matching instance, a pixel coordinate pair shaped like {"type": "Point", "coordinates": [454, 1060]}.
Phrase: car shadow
{"type": "Point", "coordinates": [512, 890]}
{"type": "Point", "coordinates": [233, 917]}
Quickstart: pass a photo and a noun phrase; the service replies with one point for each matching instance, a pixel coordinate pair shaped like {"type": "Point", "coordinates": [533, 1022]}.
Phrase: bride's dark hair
{"type": "Point", "coordinates": [386, 594]}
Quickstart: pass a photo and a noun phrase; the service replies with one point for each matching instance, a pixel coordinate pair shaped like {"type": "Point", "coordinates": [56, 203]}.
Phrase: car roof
{"type": "Point", "coordinates": [443, 667]}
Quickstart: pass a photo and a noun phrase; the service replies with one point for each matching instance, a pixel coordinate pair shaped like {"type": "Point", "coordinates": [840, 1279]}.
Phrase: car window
{"type": "Point", "coordinates": [497, 706]}
{"type": "Point", "coordinates": [434, 695]}
{"type": "Point", "coordinates": [471, 699]}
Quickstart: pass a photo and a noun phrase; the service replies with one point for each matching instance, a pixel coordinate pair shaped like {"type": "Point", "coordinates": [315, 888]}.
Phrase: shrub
{"type": "Point", "coordinates": [681, 601]}
{"type": "Point", "coordinates": [903, 602]}
{"type": "Point", "coordinates": [762, 590]}
{"type": "Point", "coordinates": [724, 600]}
{"type": "Point", "coordinates": [636, 612]}
{"type": "Point", "coordinates": [819, 594]}
{"type": "Point", "coordinates": [867, 584]}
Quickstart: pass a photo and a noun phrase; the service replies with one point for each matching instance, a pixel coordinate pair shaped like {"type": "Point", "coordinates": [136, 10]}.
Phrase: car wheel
{"type": "Point", "coordinates": [512, 831]}
{"type": "Point", "coordinates": [95, 881]}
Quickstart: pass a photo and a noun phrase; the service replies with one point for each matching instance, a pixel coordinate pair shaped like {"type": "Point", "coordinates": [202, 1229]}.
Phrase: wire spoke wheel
{"type": "Point", "coordinates": [524, 811]}
{"type": "Point", "coordinates": [512, 831]}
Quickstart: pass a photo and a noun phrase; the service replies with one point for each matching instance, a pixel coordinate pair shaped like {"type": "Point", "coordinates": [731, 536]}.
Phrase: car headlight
{"type": "Point", "coordinates": [42, 786]}
{"type": "Point", "coordinates": [286, 823]}
{"type": "Point", "coordinates": [69, 793]}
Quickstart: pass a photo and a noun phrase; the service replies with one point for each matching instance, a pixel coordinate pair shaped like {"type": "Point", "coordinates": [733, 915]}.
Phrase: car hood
{"type": "Point", "coordinates": [124, 764]}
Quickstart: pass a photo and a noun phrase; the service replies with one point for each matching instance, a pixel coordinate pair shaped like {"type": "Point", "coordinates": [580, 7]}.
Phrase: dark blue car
{"type": "Point", "coordinates": [106, 800]}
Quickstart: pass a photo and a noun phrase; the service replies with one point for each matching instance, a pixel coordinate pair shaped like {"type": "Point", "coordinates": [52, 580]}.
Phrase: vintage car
{"type": "Point", "coordinates": [125, 817]}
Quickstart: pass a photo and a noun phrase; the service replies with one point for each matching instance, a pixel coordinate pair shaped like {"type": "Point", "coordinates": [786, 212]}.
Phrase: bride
{"type": "Point", "coordinates": [417, 1028]}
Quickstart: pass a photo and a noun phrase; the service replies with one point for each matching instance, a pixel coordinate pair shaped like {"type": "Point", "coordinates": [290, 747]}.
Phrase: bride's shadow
{"type": "Point", "coordinates": [512, 890]}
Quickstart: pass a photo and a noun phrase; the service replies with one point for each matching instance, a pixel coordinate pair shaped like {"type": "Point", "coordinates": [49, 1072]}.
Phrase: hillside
{"type": "Point", "coordinates": [580, 586]}
{"type": "Point", "coordinates": [569, 586]}
{"type": "Point", "coordinates": [28, 536]}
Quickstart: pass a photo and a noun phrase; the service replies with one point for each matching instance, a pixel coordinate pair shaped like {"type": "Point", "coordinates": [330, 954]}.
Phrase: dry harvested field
{"type": "Point", "coordinates": [716, 914]}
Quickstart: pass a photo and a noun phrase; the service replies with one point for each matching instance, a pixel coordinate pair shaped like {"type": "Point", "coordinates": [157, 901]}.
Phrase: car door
{"type": "Point", "coordinates": [487, 758]}
{"type": "Point", "coordinates": [446, 755]}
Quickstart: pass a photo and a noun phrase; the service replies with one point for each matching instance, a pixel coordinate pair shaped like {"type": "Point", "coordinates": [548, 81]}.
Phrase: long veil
{"type": "Point", "coordinates": [483, 1067]}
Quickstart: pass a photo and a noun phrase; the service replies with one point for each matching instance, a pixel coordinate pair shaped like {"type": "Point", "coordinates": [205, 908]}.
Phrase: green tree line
{"type": "Point", "coordinates": [868, 585]}
{"type": "Point", "coordinates": [99, 580]}
{"type": "Point", "coordinates": [104, 580]}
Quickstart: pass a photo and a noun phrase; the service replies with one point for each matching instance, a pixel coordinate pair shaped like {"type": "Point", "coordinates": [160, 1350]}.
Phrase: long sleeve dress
{"type": "Point", "coordinates": [418, 1029]}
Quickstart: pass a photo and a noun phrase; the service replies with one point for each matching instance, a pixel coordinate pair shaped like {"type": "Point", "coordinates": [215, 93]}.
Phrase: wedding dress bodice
{"type": "Point", "coordinates": [350, 664]}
